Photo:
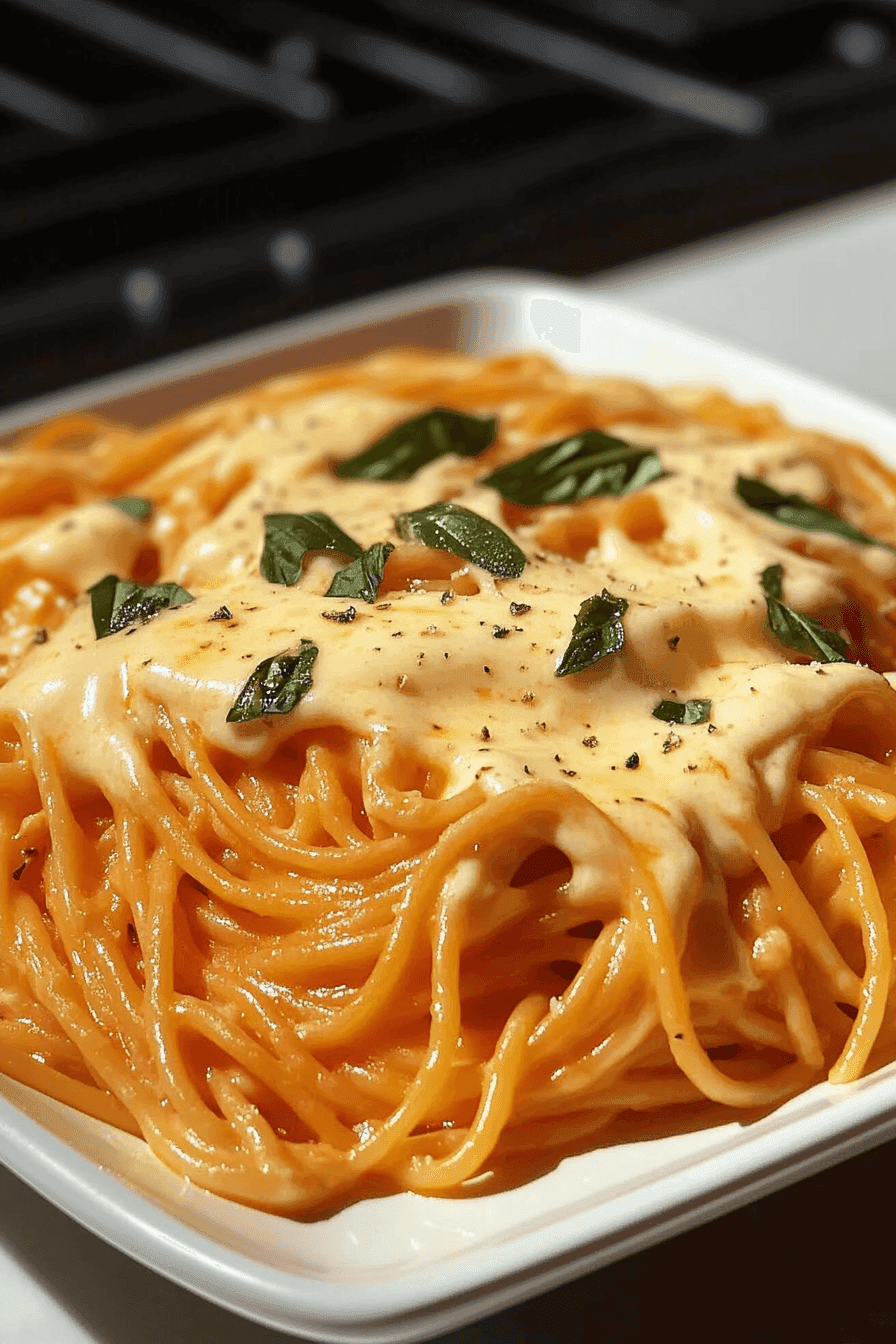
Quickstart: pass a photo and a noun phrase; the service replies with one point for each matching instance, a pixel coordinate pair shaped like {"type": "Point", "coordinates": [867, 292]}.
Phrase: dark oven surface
{"type": "Point", "coordinates": [182, 170]}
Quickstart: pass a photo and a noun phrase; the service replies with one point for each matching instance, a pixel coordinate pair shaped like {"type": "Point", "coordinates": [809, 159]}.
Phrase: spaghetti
{"type": "Point", "coordinates": [461, 839]}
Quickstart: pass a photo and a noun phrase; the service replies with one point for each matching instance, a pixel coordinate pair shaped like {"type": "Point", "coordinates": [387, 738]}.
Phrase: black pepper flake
{"type": "Point", "coordinates": [570, 773]}
{"type": "Point", "coordinates": [633, 761]}
{"type": "Point", "coordinates": [343, 617]}
{"type": "Point", "coordinates": [40, 635]}
{"type": "Point", "coordinates": [519, 608]}
{"type": "Point", "coordinates": [557, 758]}
{"type": "Point", "coordinates": [79, 646]}
{"type": "Point", "coordinates": [711, 728]}
{"type": "Point", "coordinates": [383, 606]}
{"type": "Point", "coordinates": [17, 872]}
{"type": "Point", "coordinates": [674, 642]}
{"type": "Point", "coordinates": [527, 770]}
{"type": "Point", "coordinates": [486, 670]}
{"type": "Point", "coordinates": [485, 735]}
{"type": "Point", "coordinates": [500, 632]}
{"type": "Point", "coordinates": [542, 726]}
{"type": "Point", "coordinates": [679, 1035]}
{"type": "Point", "coordinates": [589, 741]}
{"type": "Point", "coordinates": [699, 580]}
{"type": "Point", "coordinates": [397, 634]}
{"type": "Point", "coordinates": [222, 614]}
{"type": "Point", "coordinates": [528, 697]}
{"type": "Point", "coordinates": [447, 596]}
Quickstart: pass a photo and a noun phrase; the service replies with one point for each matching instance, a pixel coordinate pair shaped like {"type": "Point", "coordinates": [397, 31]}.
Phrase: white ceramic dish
{"type": "Point", "coordinates": [407, 1268]}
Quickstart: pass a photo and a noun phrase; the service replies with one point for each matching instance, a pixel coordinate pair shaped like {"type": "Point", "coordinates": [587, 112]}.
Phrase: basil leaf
{"type": "Point", "coordinates": [796, 511]}
{"type": "Point", "coordinates": [587, 464]}
{"type": "Point", "coordinates": [596, 634]}
{"type": "Point", "coordinates": [276, 686]}
{"type": "Point", "coordinates": [135, 506]}
{"type": "Point", "coordinates": [796, 630]}
{"type": "Point", "coordinates": [288, 537]}
{"type": "Point", "coordinates": [362, 578]}
{"type": "Point", "coordinates": [117, 603]}
{"type": "Point", "coordinates": [450, 527]}
{"type": "Point", "coordinates": [688, 711]}
{"type": "Point", "coordinates": [398, 455]}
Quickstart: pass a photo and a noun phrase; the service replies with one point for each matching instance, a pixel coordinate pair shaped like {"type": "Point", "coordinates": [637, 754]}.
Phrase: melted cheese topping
{"type": "Point", "coordinates": [288, 971]}
{"type": "Point", "coordinates": [454, 673]}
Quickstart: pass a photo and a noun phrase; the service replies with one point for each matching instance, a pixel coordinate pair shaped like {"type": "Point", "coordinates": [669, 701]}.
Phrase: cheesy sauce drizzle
{"type": "Point", "coordinates": [452, 908]}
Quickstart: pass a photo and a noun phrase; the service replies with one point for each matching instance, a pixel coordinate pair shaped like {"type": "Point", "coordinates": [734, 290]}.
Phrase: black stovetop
{"type": "Point", "coordinates": [182, 170]}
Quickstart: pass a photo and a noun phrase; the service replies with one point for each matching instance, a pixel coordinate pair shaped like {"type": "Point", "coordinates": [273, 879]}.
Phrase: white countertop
{"type": "Point", "coordinates": [816, 291]}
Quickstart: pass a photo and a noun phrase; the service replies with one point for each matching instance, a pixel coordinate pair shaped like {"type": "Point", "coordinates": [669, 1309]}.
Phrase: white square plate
{"type": "Point", "coordinates": [407, 1267]}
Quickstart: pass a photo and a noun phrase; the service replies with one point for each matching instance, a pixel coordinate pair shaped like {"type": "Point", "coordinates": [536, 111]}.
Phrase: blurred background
{"type": "Point", "coordinates": [176, 171]}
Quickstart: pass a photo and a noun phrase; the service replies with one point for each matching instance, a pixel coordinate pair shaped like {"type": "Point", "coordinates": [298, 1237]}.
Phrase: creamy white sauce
{"type": "Point", "coordinates": [465, 681]}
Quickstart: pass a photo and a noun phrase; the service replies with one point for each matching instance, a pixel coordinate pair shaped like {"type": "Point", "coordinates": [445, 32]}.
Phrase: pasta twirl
{"type": "Point", "coordinates": [423, 762]}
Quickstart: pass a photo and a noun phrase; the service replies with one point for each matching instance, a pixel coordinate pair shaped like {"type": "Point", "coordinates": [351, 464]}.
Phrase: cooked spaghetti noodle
{"type": "Point", "coordinates": [445, 907]}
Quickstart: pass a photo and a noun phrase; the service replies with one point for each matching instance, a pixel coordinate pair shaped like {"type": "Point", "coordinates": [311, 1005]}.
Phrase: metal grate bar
{"type": "Point", "coordinates": [195, 57]}
{"type": "Point", "coordinates": [700, 99]}
{"type": "Point", "coordinates": [421, 70]}
{"type": "Point", "coordinates": [36, 103]}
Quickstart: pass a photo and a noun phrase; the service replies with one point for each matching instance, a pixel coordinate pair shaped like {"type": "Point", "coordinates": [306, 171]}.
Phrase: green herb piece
{"type": "Point", "coordinates": [584, 465]}
{"type": "Point", "coordinates": [596, 634]}
{"type": "Point", "coordinates": [796, 630]}
{"type": "Point", "coordinates": [276, 686]}
{"type": "Point", "coordinates": [687, 711]}
{"type": "Point", "coordinates": [117, 603]}
{"type": "Point", "coordinates": [135, 506]}
{"type": "Point", "coordinates": [288, 537]}
{"type": "Point", "coordinates": [398, 455]}
{"type": "Point", "coordinates": [796, 511]}
{"type": "Point", "coordinates": [450, 527]}
{"type": "Point", "coordinates": [362, 578]}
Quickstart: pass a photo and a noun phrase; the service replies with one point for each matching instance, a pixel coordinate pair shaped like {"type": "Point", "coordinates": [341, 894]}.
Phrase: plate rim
{"type": "Point", "coordinates": [427, 1299]}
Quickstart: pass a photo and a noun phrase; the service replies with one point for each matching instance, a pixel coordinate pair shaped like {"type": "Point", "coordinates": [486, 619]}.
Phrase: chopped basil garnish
{"type": "Point", "coordinates": [276, 686]}
{"type": "Point", "coordinates": [796, 630]}
{"type": "Point", "coordinates": [450, 527]}
{"type": "Point", "coordinates": [796, 511]}
{"type": "Point", "coordinates": [288, 537]}
{"type": "Point", "coordinates": [117, 603]}
{"type": "Point", "coordinates": [362, 578]}
{"type": "Point", "coordinates": [686, 711]}
{"type": "Point", "coordinates": [135, 506]}
{"type": "Point", "coordinates": [596, 634]}
{"type": "Point", "coordinates": [586, 464]}
{"type": "Point", "coordinates": [398, 455]}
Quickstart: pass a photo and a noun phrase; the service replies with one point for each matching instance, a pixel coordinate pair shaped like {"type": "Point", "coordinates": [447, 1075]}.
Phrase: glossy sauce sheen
{"type": "Point", "coordinates": [455, 674]}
